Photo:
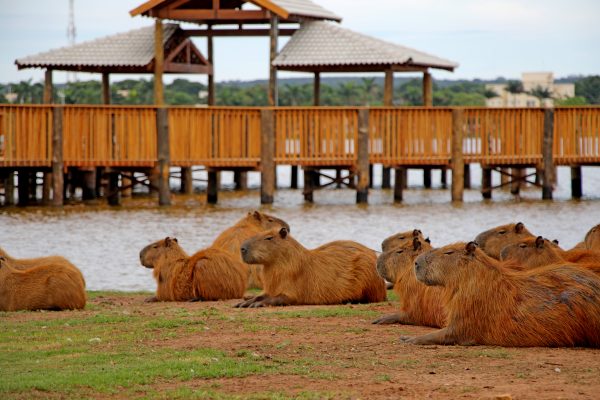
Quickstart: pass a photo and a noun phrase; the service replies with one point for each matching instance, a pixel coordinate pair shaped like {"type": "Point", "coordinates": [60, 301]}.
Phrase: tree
{"type": "Point", "coordinates": [572, 101]}
{"type": "Point", "coordinates": [514, 87]}
{"type": "Point", "coordinates": [589, 88]}
{"type": "Point", "coordinates": [369, 89]}
{"type": "Point", "coordinates": [490, 94]}
{"type": "Point", "coordinates": [541, 93]}
{"type": "Point", "coordinates": [348, 91]}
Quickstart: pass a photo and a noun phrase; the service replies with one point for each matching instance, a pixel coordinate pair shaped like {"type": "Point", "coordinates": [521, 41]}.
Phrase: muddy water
{"type": "Point", "coordinates": [105, 242]}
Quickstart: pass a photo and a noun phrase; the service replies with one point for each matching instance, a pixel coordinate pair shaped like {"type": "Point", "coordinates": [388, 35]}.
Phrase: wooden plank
{"type": "Point", "coordinates": [164, 156]}
{"type": "Point", "coordinates": [273, 95]}
{"type": "Point", "coordinates": [158, 63]}
{"type": "Point", "coordinates": [427, 90]}
{"type": "Point", "coordinates": [211, 60]}
{"type": "Point", "coordinates": [362, 152]}
{"type": "Point", "coordinates": [237, 32]}
{"type": "Point", "coordinates": [48, 88]}
{"type": "Point", "coordinates": [267, 157]}
{"type": "Point", "coordinates": [317, 89]}
{"type": "Point", "coordinates": [547, 154]}
{"type": "Point", "coordinates": [458, 164]}
{"type": "Point", "coordinates": [388, 90]}
{"type": "Point", "coordinates": [57, 157]}
{"type": "Point", "coordinates": [213, 15]}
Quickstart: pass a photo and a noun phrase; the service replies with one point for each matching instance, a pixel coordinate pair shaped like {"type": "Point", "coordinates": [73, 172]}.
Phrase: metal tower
{"type": "Point", "coordinates": [71, 34]}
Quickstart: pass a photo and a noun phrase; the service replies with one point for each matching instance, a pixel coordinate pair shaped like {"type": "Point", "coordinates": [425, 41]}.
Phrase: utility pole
{"type": "Point", "coordinates": [71, 35]}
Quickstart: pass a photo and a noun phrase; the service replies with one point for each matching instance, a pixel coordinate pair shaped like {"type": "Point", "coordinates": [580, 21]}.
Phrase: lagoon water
{"type": "Point", "coordinates": [105, 242]}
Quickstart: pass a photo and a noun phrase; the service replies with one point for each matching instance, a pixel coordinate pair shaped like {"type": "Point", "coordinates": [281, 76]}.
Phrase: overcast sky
{"type": "Point", "coordinates": [489, 38]}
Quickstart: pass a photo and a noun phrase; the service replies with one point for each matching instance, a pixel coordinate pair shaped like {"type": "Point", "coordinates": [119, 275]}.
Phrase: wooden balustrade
{"type": "Point", "coordinates": [576, 135]}
{"type": "Point", "coordinates": [25, 136]}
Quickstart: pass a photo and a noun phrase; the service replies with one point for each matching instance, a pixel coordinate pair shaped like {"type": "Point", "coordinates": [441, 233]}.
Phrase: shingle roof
{"type": "Point", "coordinates": [306, 8]}
{"type": "Point", "coordinates": [322, 44]}
{"type": "Point", "coordinates": [127, 50]}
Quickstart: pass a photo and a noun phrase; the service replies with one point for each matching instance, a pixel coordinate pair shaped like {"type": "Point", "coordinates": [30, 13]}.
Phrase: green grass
{"type": "Point", "coordinates": [328, 312]}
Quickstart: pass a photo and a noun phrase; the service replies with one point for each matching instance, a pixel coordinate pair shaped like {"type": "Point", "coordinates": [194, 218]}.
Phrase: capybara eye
{"type": "Point", "coordinates": [400, 252]}
{"type": "Point", "coordinates": [270, 219]}
{"type": "Point", "coordinates": [155, 246]}
{"type": "Point", "coordinates": [449, 252]}
{"type": "Point", "coordinates": [522, 245]}
{"type": "Point", "coordinates": [501, 232]}
{"type": "Point", "coordinates": [269, 238]}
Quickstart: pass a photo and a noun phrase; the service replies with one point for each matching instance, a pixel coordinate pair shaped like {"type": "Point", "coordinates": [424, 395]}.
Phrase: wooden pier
{"type": "Point", "coordinates": [105, 148]}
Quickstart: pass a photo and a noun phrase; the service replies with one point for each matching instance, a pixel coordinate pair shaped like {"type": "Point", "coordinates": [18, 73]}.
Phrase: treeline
{"type": "Point", "coordinates": [365, 91]}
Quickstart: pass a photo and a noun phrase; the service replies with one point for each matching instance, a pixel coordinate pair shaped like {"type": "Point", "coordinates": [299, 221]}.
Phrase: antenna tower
{"type": "Point", "coordinates": [71, 34]}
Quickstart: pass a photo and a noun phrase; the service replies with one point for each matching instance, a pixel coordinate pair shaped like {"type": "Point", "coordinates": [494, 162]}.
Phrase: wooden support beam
{"type": "Point", "coordinates": [88, 188]}
{"type": "Point", "coordinates": [114, 194]}
{"type": "Point", "coordinates": [576, 182]}
{"type": "Point", "coordinates": [362, 164]}
{"type": "Point", "coordinates": [211, 59]}
{"type": "Point", "coordinates": [308, 185]}
{"type": "Point", "coordinates": [238, 32]}
{"type": "Point", "coordinates": [105, 88]}
{"type": "Point", "coordinates": [57, 158]}
{"type": "Point", "coordinates": [427, 177]}
{"type": "Point", "coordinates": [212, 190]}
{"type": "Point", "coordinates": [486, 182]}
{"type": "Point", "coordinates": [467, 176]}
{"type": "Point", "coordinates": [164, 156]}
{"type": "Point", "coordinates": [24, 183]}
{"type": "Point", "coordinates": [338, 178]}
{"type": "Point", "coordinates": [427, 90]}
{"type": "Point", "coordinates": [47, 188]}
{"type": "Point", "coordinates": [504, 177]}
{"type": "Point", "coordinates": [548, 159]}
{"type": "Point", "coordinates": [240, 178]}
{"type": "Point", "coordinates": [317, 89]}
{"type": "Point", "coordinates": [48, 88]}
{"type": "Point", "coordinates": [187, 183]}
{"type": "Point", "coordinates": [211, 15]}
{"type": "Point", "coordinates": [371, 176]}
{"type": "Point", "coordinates": [444, 177]}
{"type": "Point", "coordinates": [267, 156]}
{"type": "Point", "coordinates": [294, 177]}
{"type": "Point", "coordinates": [515, 185]}
{"type": "Point", "coordinates": [159, 58]}
{"type": "Point", "coordinates": [388, 88]}
{"type": "Point", "coordinates": [458, 162]}
{"type": "Point", "coordinates": [9, 189]}
{"type": "Point", "coordinates": [399, 184]}
{"type": "Point", "coordinates": [274, 36]}
{"type": "Point", "coordinates": [386, 177]}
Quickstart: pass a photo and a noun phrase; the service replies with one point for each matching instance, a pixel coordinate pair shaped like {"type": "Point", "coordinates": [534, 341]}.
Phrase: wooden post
{"type": "Point", "coordinates": [458, 162]}
{"type": "Point", "coordinates": [48, 88]}
{"type": "Point", "coordinates": [504, 178]}
{"type": "Point", "coordinates": [317, 89]}
{"type": "Point", "coordinates": [362, 165]}
{"type": "Point", "coordinates": [88, 188]}
{"type": "Point", "coordinates": [105, 88]}
{"type": "Point", "coordinates": [427, 90]}
{"type": "Point", "coordinates": [267, 156]}
{"type": "Point", "coordinates": [9, 189]}
{"type": "Point", "coordinates": [187, 183]}
{"type": "Point", "coordinates": [338, 178]}
{"type": "Point", "coordinates": [405, 178]}
{"type": "Point", "coordinates": [294, 177]}
{"type": "Point", "coordinates": [467, 176]}
{"type": "Point", "coordinates": [370, 176]}
{"type": "Point", "coordinates": [274, 34]}
{"type": "Point", "coordinates": [164, 156]}
{"type": "Point", "coordinates": [212, 190]}
{"type": "Point", "coordinates": [388, 88]}
{"type": "Point", "coordinates": [23, 189]}
{"type": "Point", "coordinates": [211, 60]}
{"type": "Point", "coordinates": [576, 187]}
{"type": "Point", "coordinates": [240, 178]}
{"type": "Point", "coordinates": [547, 154]}
{"type": "Point", "coordinates": [308, 185]}
{"type": "Point", "coordinates": [159, 58]}
{"type": "Point", "coordinates": [444, 177]}
{"type": "Point", "coordinates": [386, 177]}
{"type": "Point", "coordinates": [486, 182]}
{"type": "Point", "coordinates": [57, 158]}
{"type": "Point", "coordinates": [114, 194]}
{"type": "Point", "coordinates": [515, 186]}
{"type": "Point", "coordinates": [427, 177]}
{"type": "Point", "coordinates": [399, 184]}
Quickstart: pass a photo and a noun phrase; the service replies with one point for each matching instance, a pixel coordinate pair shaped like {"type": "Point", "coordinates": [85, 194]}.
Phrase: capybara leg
{"type": "Point", "coordinates": [152, 299]}
{"type": "Point", "coordinates": [399, 318]}
{"type": "Point", "coordinates": [272, 301]}
{"type": "Point", "coordinates": [197, 299]}
{"type": "Point", "coordinates": [249, 302]}
{"type": "Point", "coordinates": [442, 336]}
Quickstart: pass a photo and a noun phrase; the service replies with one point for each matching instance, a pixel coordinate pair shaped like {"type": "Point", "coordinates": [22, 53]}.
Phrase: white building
{"type": "Point", "coordinates": [530, 81]}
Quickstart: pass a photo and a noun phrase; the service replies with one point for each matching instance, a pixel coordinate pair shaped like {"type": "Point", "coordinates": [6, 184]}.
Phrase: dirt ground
{"type": "Point", "coordinates": [353, 359]}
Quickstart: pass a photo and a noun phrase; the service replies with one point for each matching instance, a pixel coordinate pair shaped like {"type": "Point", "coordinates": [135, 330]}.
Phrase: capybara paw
{"type": "Point", "coordinates": [257, 304]}
{"type": "Point", "coordinates": [408, 339]}
{"type": "Point", "coordinates": [152, 299]}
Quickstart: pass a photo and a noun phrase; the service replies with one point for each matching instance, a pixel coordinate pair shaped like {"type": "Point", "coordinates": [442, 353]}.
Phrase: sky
{"type": "Point", "coordinates": [488, 38]}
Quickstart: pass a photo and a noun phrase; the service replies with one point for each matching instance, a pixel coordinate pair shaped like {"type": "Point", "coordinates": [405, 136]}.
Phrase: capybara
{"type": "Point", "coordinates": [536, 252]}
{"type": "Point", "coordinates": [42, 287]}
{"type": "Point", "coordinates": [210, 274]}
{"type": "Point", "coordinates": [402, 238]}
{"type": "Point", "coordinates": [555, 305]}
{"type": "Point", "coordinates": [494, 240]}
{"type": "Point", "coordinates": [24, 263]}
{"type": "Point", "coordinates": [592, 239]}
{"type": "Point", "coordinates": [335, 273]}
{"type": "Point", "coordinates": [419, 304]}
{"type": "Point", "coordinates": [231, 239]}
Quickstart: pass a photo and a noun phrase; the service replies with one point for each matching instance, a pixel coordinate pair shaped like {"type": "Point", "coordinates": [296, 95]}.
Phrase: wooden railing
{"type": "Point", "coordinates": [25, 136]}
{"type": "Point", "coordinates": [576, 135]}
{"type": "Point", "coordinates": [316, 136]}
{"type": "Point", "coordinates": [215, 137]}
{"type": "Point", "coordinates": [312, 136]}
{"type": "Point", "coordinates": [109, 136]}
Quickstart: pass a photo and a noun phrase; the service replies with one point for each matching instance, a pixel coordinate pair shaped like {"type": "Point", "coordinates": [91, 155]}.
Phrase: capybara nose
{"type": "Point", "coordinates": [244, 250]}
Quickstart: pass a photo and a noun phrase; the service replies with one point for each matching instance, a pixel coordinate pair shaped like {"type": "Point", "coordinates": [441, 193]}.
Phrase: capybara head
{"type": "Point", "coordinates": [391, 263]}
{"type": "Point", "coordinates": [592, 238]}
{"type": "Point", "coordinates": [494, 240]}
{"type": "Point", "coordinates": [531, 252]}
{"type": "Point", "coordinates": [438, 267]}
{"type": "Point", "coordinates": [151, 254]}
{"type": "Point", "coordinates": [399, 239]}
{"type": "Point", "coordinates": [266, 221]}
{"type": "Point", "coordinates": [265, 247]}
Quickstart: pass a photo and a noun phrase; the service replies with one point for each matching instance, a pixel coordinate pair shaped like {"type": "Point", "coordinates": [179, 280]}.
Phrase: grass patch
{"type": "Point", "coordinates": [327, 312]}
{"type": "Point", "coordinates": [490, 353]}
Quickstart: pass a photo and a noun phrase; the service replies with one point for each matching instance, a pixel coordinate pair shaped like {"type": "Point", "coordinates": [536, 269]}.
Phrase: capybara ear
{"type": "Point", "coordinates": [257, 215]}
{"type": "Point", "coordinates": [555, 241]}
{"type": "Point", "coordinates": [539, 242]}
{"type": "Point", "coordinates": [283, 232]}
{"type": "Point", "coordinates": [470, 248]}
{"type": "Point", "coordinates": [2, 260]}
{"type": "Point", "coordinates": [519, 227]}
{"type": "Point", "coordinates": [416, 244]}
{"type": "Point", "coordinates": [169, 241]}
{"type": "Point", "coordinates": [428, 240]}
{"type": "Point", "coordinates": [416, 232]}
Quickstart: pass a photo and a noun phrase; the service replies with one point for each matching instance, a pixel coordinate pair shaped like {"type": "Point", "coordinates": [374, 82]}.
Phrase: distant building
{"type": "Point", "coordinates": [11, 97]}
{"type": "Point", "coordinates": [530, 81]}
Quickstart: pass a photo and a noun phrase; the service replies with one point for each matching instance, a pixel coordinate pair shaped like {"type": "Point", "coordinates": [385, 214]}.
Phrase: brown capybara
{"type": "Point", "coordinates": [231, 239]}
{"type": "Point", "coordinates": [537, 252]}
{"type": "Point", "coordinates": [419, 304]}
{"type": "Point", "coordinates": [494, 240]}
{"type": "Point", "coordinates": [402, 238]}
{"type": "Point", "coordinates": [592, 239]}
{"type": "Point", "coordinates": [335, 273]}
{"type": "Point", "coordinates": [43, 287]}
{"type": "Point", "coordinates": [555, 305]}
{"type": "Point", "coordinates": [210, 274]}
{"type": "Point", "coordinates": [24, 263]}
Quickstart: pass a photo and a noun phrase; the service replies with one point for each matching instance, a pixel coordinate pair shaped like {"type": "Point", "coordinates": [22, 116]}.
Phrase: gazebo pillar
{"type": "Point", "coordinates": [427, 90]}
{"type": "Point", "coordinates": [388, 101]}
{"type": "Point", "coordinates": [48, 99]}
{"type": "Point", "coordinates": [274, 35]}
{"type": "Point", "coordinates": [105, 88]}
{"type": "Point", "coordinates": [211, 60]}
{"type": "Point", "coordinates": [159, 59]}
{"type": "Point", "coordinates": [317, 90]}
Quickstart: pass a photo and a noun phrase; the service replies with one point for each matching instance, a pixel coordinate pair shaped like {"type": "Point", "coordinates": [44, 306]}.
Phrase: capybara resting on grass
{"type": "Point", "coordinates": [555, 305]}
{"type": "Point", "coordinates": [335, 273]}
{"type": "Point", "coordinates": [419, 304]}
{"type": "Point", "coordinates": [402, 238]}
{"type": "Point", "coordinates": [210, 274]}
{"type": "Point", "coordinates": [536, 252]}
{"type": "Point", "coordinates": [24, 263]}
{"type": "Point", "coordinates": [231, 239]}
{"type": "Point", "coordinates": [592, 239]}
{"type": "Point", "coordinates": [42, 287]}
{"type": "Point", "coordinates": [494, 240]}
